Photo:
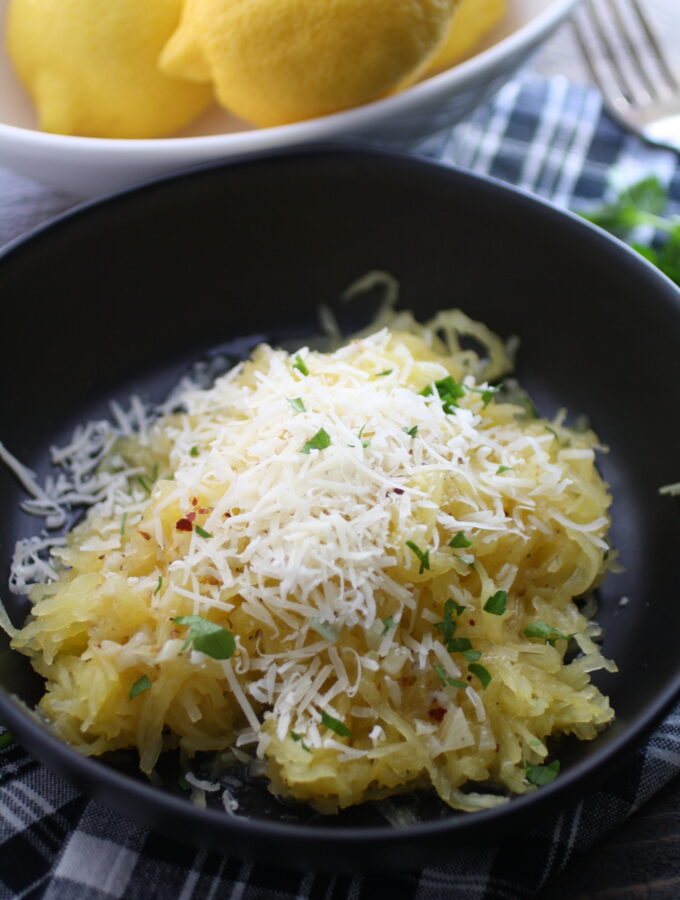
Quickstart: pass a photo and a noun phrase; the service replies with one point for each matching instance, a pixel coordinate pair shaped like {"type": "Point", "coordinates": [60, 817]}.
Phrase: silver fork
{"type": "Point", "coordinates": [628, 63]}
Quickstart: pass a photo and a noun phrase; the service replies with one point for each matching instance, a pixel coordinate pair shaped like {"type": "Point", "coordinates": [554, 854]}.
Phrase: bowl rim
{"type": "Point", "coordinates": [576, 778]}
{"type": "Point", "coordinates": [311, 129]}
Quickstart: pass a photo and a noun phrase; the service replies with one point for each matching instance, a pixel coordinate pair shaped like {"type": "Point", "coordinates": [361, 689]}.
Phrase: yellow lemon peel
{"type": "Point", "coordinates": [91, 66]}
{"type": "Point", "coordinates": [473, 20]}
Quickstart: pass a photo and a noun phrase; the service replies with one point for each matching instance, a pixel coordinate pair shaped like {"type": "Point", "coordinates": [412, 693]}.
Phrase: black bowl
{"type": "Point", "coordinates": [122, 295]}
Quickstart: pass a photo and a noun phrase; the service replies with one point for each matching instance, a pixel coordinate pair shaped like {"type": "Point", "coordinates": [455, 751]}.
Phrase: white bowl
{"type": "Point", "coordinates": [91, 166]}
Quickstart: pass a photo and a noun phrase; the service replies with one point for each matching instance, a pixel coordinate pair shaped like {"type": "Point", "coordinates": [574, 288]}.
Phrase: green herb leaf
{"type": "Point", "coordinates": [472, 655]}
{"type": "Point", "coordinates": [423, 556]}
{"type": "Point", "coordinates": [298, 737]}
{"type": "Point", "coordinates": [382, 374]}
{"type": "Point", "coordinates": [458, 645]}
{"type": "Point", "coordinates": [299, 364]}
{"type": "Point", "coordinates": [452, 605]}
{"type": "Point", "coordinates": [459, 540]}
{"type": "Point", "coordinates": [320, 441]}
{"type": "Point", "coordinates": [142, 684]}
{"type": "Point", "coordinates": [207, 637]}
{"type": "Point", "coordinates": [388, 623]}
{"type": "Point", "coordinates": [483, 674]}
{"type": "Point", "coordinates": [449, 392]}
{"type": "Point", "coordinates": [411, 432]}
{"type": "Point", "coordinates": [142, 480]}
{"type": "Point", "coordinates": [6, 739]}
{"type": "Point", "coordinates": [364, 443]}
{"type": "Point", "coordinates": [297, 404]}
{"type": "Point", "coordinates": [201, 532]}
{"type": "Point", "coordinates": [448, 626]}
{"type": "Point", "coordinates": [335, 725]}
{"type": "Point", "coordinates": [159, 585]}
{"type": "Point", "coordinates": [194, 451]}
{"type": "Point", "coordinates": [496, 603]}
{"type": "Point", "coordinates": [501, 469]}
{"type": "Point", "coordinates": [487, 393]}
{"type": "Point", "coordinates": [545, 633]}
{"type": "Point", "coordinates": [446, 679]}
{"type": "Point", "coordinates": [540, 775]}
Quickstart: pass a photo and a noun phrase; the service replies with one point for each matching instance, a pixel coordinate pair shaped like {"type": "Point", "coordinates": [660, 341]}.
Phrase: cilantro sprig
{"type": "Point", "coordinates": [644, 203]}
{"type": "Point", "coordinates": [207, 637]}
{"type": "Point", "coordinates": [545, 632]}
{"type": "Point", "coordinates": [449, 391]}
{"type": "Point", "coordinates": [540, 775]}
{"type": "Point", "coordinates": [423, 556]}
{"type": "Point", "coordinates": [142, 684]}
{"type": "Point", "coordinates": [497, 603]}
{"type": "Point", "coordinates": [319, 441]}
{"type": "Point", "coordinates": [335, 725]}
{"type": "Point", "coordinates": [446, 679]}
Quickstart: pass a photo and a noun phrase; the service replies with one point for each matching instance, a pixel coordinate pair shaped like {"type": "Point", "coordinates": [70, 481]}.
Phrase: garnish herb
{"type": "Point", "coordinates": [335, 725]}
{"type": "Point", "coordinates": [459, 645]}
{"type": "Point", "coordinates": [545, 633]}
{"type": "Point", "coordinates": [496, 603]}
{"type": "Point", "coordinates": [122, 523]}
{"type": "Point", "coordinates": [423, 556]}
{"type": "Point", "coordinates": [540, 775]}
{"type": "Point", "coordinates": [320, 441]}
{"type": "Point", "coordinates": [159, 585]}
{"type": "Point", "coordinates": [487, 393]}
{"type": "Point", "coordinates": [194, 450]}
{"type": "Point", "coordinates": [207, 637]}
{"type": "Point", "coordinates": [644, 203]}
{"type": "Point", "coordinates": [298, 737]}
{"type": "Point", "coordinates": [364, 443]}
{"type": "Point", "coordinates": [411, 432]}
{"type": "Point", "coordinates": [142, 684]}
{"type": "Point", "coordinates": [460, 541]}
{"type": "Point", "coordinates": [446, 679]}
{"type": "Point", "coordinates": [299, 364]}
{"type": "Point", "coordinates": [142, 480]}
{"type": "Point", "coordinates": [472, 655]}
{"type": "Point", "coordinates": [382, 374]}
{"type": "Point", "coordinates": [448, 626]}
{"type": "Point", "coordinates": [388, 623]}
{"type": "Point", "coordinates": [451, 604]}
{"type": "Point", "coordinates": [501, 469]}
{"type": "Point", "coordinates": [201, 532]}
{"type": "Point", "coordinates": [6, 739]}
{"type": "Point", "coordinates": [483, 674]}
{"type": "Point", "coordinates": [297, 404]}
{"type": "Point", "coordinates": [449, 392]}
{"type": "Point", "coordinates": [466, 558]}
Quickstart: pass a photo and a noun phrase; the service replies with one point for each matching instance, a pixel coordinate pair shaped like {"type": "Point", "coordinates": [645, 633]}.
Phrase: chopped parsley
{"type": "Point", "coordinates": [496, 603]}
{"type": "Point", "coordinates": [298, 737]}
{"type": "Point", "coordinates": [388, 623]}
{"type": "Point", "coordinates": [487, 393]}
{"type": "Point", "coordinates": [449, 392]}
{"type": "Point", "coordinates": [459, 645]}
{"type": "Point", "coordinates": [483, 674]}
{"type": "Point", "coordinates": [142, 480]}
{"type": "Point", "coordinates": [545, 633]}
{"type": "Point", "coordinates": [472, 655]}
{"type": "Point", "coordinates": [447, 626]}
{"type": "Point", "coordinates": [142, 684]}
{"type": "Point", "coordinates": [159, 585]}
{"type": "Point", "coordinates": [201, 532]}
{"type": "Point", "coordinates": [194, 451]}
{"type": "Point", "coordinates": [364, 443]}
{"type": "Point", "coordinates": [411, 432]}
{"type": "Point", "coordinates": [446, 679]}
{"type": "Point", "coordinates": [460, 541]}
{"type": "Point", "coordinates": [320, 441]}
{"type": "Point", "coordinates": [297, 404]}
{"type": "Point", "coordinates": [299, 364]}
{"type": "Point", "coordinates": [423, 556]}
{"type": "Point", "coordinates": [382, 374]}
{"type": "Point", "coordinates": [207, 637]}
{"type": "Point", "coordinates": [335, 725]}
{"type": "Point", "coordinates": [501, 469]}
{"type": "Point", "coordinates": [540, 775]}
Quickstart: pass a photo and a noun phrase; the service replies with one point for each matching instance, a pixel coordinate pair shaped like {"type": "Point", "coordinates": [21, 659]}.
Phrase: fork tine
{"type": "Point", "coordinates": [658, 49]}
{"type": "Point", "coordinates": [599, 52]}
{"type": "Point", "coordinates": [638, 51]}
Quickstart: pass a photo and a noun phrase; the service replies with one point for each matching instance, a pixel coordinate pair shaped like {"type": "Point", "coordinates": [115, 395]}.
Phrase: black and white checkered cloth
{"type": "Point", "coordinates": [549, 137]}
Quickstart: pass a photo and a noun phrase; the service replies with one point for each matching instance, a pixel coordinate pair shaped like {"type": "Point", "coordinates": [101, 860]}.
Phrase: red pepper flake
{"type": "Point", "coordinates": [498, 747]}
{"type": "Point", "coordinates": [437, 713]}
{"type": "Point", "coordinates": [472, 621]}
{"type": "Point", "coordinates": [204, 511]}
{"type": "Point", "coordinates": [194, 501]}
{"type": "Point", "coordinates": [407, 681]}
{"type": "Point", "coordinates": [184, 525]}
{"type": "Point", "coordinates": [210, 579]}
{"type": "Point", "coordinates": [191, 516]}
{"type": "Point", "coordinates": [144, 534]}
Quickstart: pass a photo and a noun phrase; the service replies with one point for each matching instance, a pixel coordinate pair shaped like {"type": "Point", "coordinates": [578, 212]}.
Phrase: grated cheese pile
{"type": "Point", "coordinates": [357, 566]}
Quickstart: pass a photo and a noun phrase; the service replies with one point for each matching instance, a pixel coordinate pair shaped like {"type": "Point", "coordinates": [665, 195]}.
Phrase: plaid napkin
{"type": "Point", "coordinates": [549, 137]}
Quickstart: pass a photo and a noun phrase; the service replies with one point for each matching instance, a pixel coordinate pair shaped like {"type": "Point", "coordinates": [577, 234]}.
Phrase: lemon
{"type": "Point", "coordinates": [473, 19]}
{"type": "Point", "coordinates": [91, 66]}
{"type": "Point", "coordinates": [278, 61]}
